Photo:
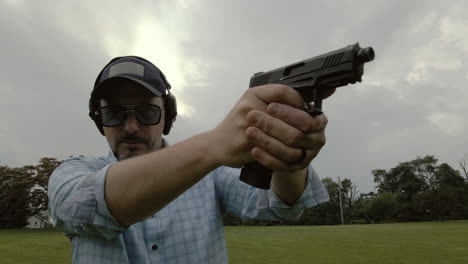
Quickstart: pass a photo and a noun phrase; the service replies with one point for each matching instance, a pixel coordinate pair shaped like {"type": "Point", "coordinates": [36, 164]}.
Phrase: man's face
{"type": "Point", "coordinates": [132, 138]}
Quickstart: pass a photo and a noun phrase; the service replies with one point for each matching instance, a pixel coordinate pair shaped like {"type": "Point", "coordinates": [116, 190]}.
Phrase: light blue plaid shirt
{"type": "Point", "coordinates": [188, 230]}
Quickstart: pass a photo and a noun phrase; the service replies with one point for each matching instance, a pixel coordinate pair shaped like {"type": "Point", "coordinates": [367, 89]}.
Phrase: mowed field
{"type": "Point", "coordinates": [412, 243]}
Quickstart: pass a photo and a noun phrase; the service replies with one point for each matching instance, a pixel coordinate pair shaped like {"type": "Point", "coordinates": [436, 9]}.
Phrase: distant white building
{"type": "Point", "coordinates": [36, 221]}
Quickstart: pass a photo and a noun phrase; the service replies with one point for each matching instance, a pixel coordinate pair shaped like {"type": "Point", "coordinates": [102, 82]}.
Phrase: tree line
{"type": "Point", "coordinates": [416, 190]}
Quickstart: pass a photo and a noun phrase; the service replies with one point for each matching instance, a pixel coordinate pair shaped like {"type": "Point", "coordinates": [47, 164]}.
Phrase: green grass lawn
{"type": "Point", "coordinates": [34, 246]}
{"type": "Point", "coordinates": [412, 243]}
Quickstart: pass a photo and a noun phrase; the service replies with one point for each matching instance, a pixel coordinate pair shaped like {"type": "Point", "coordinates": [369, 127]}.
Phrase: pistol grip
{"type": "Point", "coordinates": [256, 175]}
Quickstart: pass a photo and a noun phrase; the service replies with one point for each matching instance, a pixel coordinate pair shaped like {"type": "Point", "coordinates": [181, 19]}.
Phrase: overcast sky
{"type": "Point", "coordinates": [412, 101]}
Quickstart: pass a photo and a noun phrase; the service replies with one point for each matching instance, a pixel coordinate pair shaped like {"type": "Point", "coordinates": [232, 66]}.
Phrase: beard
{"type": "Point", "coordinates": [131, 146]}
{"type": "Point", "coordinates": [123, 152]}
{"type": "Point", "coordinates": [127, 153]}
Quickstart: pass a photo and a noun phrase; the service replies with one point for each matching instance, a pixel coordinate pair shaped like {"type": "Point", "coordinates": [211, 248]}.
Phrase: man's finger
{"type": "Point", "coordinates": [271, 145]}
{"type": "Point", "coordinates": [279, 93]}
{"type": "Point", "coordinates": [272, 162]}
{"type": "Point", "coordinates": [298, 118]}
{"type": "Point", "coordinates": [276, 128]}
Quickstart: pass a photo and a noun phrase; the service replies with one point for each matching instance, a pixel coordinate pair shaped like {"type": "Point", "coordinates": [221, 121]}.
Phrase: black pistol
{"type": "Point", "coordinates": [311, 78]}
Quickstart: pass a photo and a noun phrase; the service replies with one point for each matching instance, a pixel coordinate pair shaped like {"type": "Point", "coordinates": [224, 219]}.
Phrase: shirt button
{"type": "Point", "coordinates": [154, 247]}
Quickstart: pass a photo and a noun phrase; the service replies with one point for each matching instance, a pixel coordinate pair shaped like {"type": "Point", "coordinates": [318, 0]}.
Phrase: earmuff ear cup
{"type": "Point", "coordinates": [92, 108]}
{"type": "Point", "coordinates": [170, 112]}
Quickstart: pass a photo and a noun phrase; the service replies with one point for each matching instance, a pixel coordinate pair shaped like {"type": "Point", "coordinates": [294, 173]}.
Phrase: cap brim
{"type": "Point", "coordinates": [150, 88]}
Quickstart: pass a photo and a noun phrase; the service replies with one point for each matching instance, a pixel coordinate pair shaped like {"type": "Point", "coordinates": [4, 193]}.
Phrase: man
{"type": "Point", "coordinates": [147, 202]}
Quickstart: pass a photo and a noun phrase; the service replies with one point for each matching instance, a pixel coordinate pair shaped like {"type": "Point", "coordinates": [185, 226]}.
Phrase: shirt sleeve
{"type": "Point", "coordinates": [249, 202]}
{"type": "Point", "coordinates": [76, 200]}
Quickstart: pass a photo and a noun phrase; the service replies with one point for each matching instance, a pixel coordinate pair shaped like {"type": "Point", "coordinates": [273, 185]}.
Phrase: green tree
{"type": "Point", "coordinates": [463, 163]}
{"type": "Point", "coordinates": [453, 195]}
{"type": "Point", "coordinates": [359, 211]}
{"type": "Point", "coordinates": [349, 197]}
{"type": "Point", "coordinates": [15, 196]}
{"type": "Point", "coordinates": [382, 207]}
{"type": "Point", "coordinates": [425, 190]}
{"type": "Point", "coordinates": [402, 181]}
{"type": "Point", "coordinates": [23, 192]}
{"type": "Point", "coordinates": [41, 179]}
{"type": "Point", "coordinates": [329, 213]}
{"type": "Point", "coordinates": [447, 176]}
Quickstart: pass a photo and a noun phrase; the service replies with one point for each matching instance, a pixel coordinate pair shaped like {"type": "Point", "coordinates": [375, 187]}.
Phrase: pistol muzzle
{"type": "Point", "coordinates": [366, 54]}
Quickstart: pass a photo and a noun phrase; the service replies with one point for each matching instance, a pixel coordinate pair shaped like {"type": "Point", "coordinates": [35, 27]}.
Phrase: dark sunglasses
{"type": "Point", "coordinates": [115, 115]}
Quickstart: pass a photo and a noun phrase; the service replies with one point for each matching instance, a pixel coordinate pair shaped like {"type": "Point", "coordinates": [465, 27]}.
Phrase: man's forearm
{"type": "Point", "coordinates": [289, 185]}
{"type": "Point", "coordinates": [138, 187]}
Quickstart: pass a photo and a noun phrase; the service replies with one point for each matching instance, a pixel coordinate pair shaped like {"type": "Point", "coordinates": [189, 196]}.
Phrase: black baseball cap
{"type": "Point", "coordinates": [132, 68]}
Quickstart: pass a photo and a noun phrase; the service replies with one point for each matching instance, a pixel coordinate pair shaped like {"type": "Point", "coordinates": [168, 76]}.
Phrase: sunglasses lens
{"type": "Point", "coordinates": [112, 115]}
{"type": "Point", "coordinates": [148, 114]}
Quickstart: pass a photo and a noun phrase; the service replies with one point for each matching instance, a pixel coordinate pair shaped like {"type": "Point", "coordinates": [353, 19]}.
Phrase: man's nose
{"type": "Point", "coordinates": [131, 124]}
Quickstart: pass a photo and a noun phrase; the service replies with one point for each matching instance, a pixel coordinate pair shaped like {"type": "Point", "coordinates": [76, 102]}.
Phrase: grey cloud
{"type": "Point", "coordinates": [52, 52]}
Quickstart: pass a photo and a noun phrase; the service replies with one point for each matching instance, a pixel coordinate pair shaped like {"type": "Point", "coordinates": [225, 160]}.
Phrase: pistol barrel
{"type": "Point", "coordinates": [365, 54]}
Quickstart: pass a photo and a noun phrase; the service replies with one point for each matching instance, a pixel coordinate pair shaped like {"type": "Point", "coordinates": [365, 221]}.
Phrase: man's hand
{"type": "Point", "coordinates": [269, 125]}
{"type": "Point", "coordinates": [286, 138]}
